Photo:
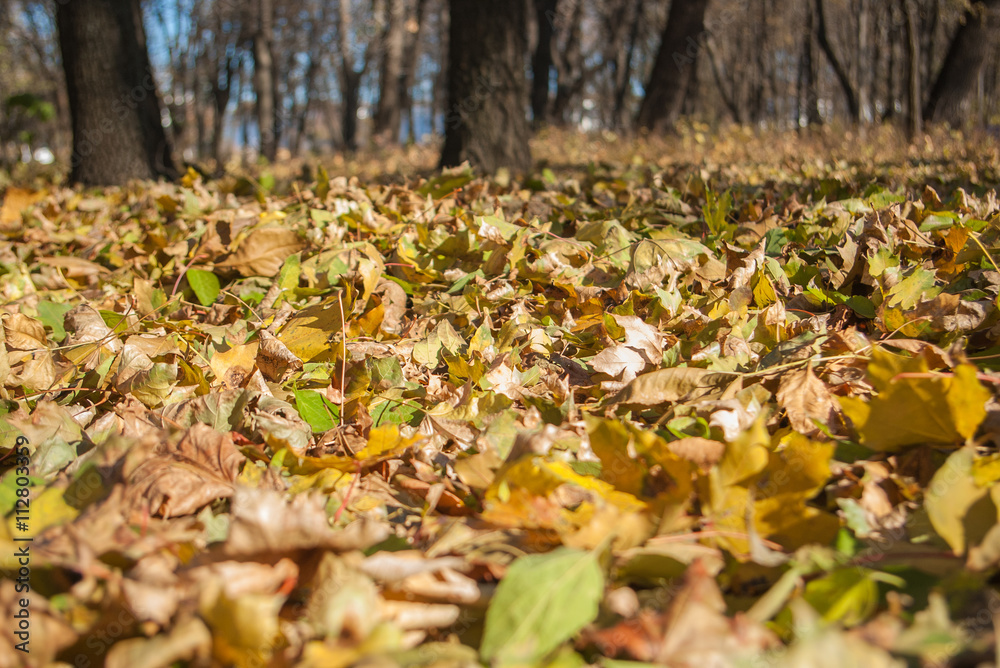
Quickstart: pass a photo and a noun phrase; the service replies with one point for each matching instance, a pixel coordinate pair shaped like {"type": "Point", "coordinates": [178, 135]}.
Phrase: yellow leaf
{"type": "Point", "coordinates": [909, 410]}
{"type": "Point", "coordinates": [959, 510]}
{"type": "Point", "coordinates": [264, 251]}
{"type": "Point", "coordinates": [610, 440]}
{"type": "Point", "coordinates": [541, 477]}
{"type": "Point", "coordinates": [310, 331]}
{"type": "Point", "coordinates": [384, 440]}
{"type": "Point", "coordinates": [782, 483]}
{"type": "Point", "coordinates": [746, 456]}
{"type": "Point", "coordinates": [233, 367]}
{"type": "Point", "coordinates": [47, 509]}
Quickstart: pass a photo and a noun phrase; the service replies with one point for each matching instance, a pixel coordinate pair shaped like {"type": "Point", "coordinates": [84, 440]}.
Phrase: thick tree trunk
{"type": "Point", "coordinates": [970, 48]}
{"type": "Point", "coordinates": [674, 65]}
{"type": "Point", "coordinates": [541, 60]}
{"type": "Point", "coordinates": [388, 115]}
{"type": "Point", "coordinates": [263, 78]}
{"type": "Point", "coordinates": [117, 131]}
{"type": "Point", "coordinates": [485, 121]}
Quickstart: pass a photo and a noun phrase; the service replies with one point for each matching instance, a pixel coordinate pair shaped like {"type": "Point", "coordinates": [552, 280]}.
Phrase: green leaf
{"type": "Point", "coordinates": [51, 315]}
{"type": "Point", "coordinates": [542, 601]}
{"type": "Point", "coordinates": [847, 596]}
{"type": "Point", "coordinates": [316, 409]}
{"type": "Point", "coordinates": [205, 285]}
{"type": "Point", "coordinates": [908, 293]}
{"type": "Point", "coordinates": [322, 183]}
{"type": "Point", "coordinates": [288, 277]}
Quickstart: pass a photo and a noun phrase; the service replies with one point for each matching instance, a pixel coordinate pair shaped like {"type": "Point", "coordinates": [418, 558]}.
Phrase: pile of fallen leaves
{"type": "Point", "coordinates": [686, 416]}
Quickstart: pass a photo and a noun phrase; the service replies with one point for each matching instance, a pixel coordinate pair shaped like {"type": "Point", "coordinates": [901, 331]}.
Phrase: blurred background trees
{"type": "Point", "coordinates": [278, 78]}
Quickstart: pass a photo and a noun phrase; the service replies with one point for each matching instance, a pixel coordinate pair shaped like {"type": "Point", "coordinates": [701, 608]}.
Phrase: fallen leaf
{"type": "Point", "coordinates": [264, 251]}
{"type": "Point", "coordinates": [180, 479]}
{"type": "Point", "coordinates": [542, 601]}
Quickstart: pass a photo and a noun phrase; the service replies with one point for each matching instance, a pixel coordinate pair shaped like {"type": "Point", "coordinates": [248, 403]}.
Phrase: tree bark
{"type": "Point", "coordinates": [914, 119]}
{"type": "Point", "coordinates": [485, 121]}
{"type": "Point", "coordinates": [813, 116]}
{"type": "Point", "coordinates": [350, 79]}
{"type": "Point", "coordinates": [115, 109]}
{"type": "Point", "coordinates": [541, 60]}
{"type": "Point", "coordinates": [843, 77]}
{"type": "Point", "coordinates": [388, 115]}
{"type": "Point", "coordinates": [674, 65]}
{"type": "Point", "coordinates": [969, 50]}
{"type": "Point", "coordinates": [570, 75]}
{"type": "Point", "coordinates": [263, 79]}
{"type": "Point", "coordinates": [415, 32]}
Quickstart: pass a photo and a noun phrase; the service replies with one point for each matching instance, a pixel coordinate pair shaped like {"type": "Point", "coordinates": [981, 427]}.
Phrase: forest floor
{"type": "Point", "coordinates": [715, 400]}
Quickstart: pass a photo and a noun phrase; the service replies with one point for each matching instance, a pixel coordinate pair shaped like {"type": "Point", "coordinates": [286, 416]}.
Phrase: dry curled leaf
{"type": "Point", "coordinates": [180, 479]}
{"type": "Point", "coordinates": [807, 401]}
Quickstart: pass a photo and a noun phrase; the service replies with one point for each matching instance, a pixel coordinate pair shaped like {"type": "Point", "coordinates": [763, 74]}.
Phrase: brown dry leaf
{"type": "Point", "coordinates": [264, 522]}
{"type": "Point", "coordinates": [409, 616]}
{"type": "Point", "coordinates": [274, 359]}
{"type": "Point", "coordinates": [149, 382]}
{"type": "Point", "coordinates": [264, 251]}
{"type": "Point", "coordinates": [188, 641]}
{"type": "Point", "coordinates": [394, 302]}
{"type": "Point", "coordinates": [692, 631]}
{"type": "Point", "coordinates": [28, 357]}
{"type": "Point", "coordinates": [702, 452]}
{"type": "Point", "coordinates": [668, 385]}
{"type": "Point", "coordinates": [642, 337]}
{"type": "Point", "coordinates": [181, 479]}
{"type": "Point", "coordinates": [76, 267]}
{"type": "Point", "coordinates": [619, 361]}
{"type": "Point", "coordinates": [806, 398]}
{"type": "Point", "coordinates": [504, 379]}
{"type": "Point", "coordinates": [91, 340]}
{"type": "Point", "coordinates": [47, 633]}
{"type": "Point", "coordinates": [4, 362]}
{"type": "Point", "coordinates": [950, 313]}
{"type": "Point", "coordinates": [742, 265]}
{"type": "Point", "coordinates": [241, 578]}
{"type": "Point", "coordinates": [24, 333]}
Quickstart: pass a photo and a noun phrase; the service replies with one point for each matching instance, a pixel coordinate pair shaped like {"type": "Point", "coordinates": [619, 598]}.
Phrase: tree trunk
{"type": "Point", "coordinates": [388, 115]}
{"type": "Point", "coordinates": [350, 79]}
{"type": "Point", "coordinates": [220, 97]}
{"type": "Point", "coordinates": [485, 122]}
{"type": "Point", "coordinates": [914, 119]}
{"type": "Point", "coordinates": [970, 48]}
{"type": "Point", "coordinates": [115, 109]}
{"type": "Point", "coordinates": [864, 58]}
{"type": "Point", "coordinates": [541, 61]}
{"type": "Point", "coordinates": [415, 31]}
{"type": "Point", "coordinates": [813, 116]}
{"type": "Point", "coordinates": [263, 78]}
{"type": "Point", "coordinates": [674, 65]}
{"type": "Point", "coordinates": [569, 70]}
{"type": "Point", "coordinates": [843, 77]}
{"type": "Point", "coordinates": [623, 69]}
